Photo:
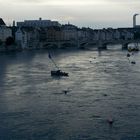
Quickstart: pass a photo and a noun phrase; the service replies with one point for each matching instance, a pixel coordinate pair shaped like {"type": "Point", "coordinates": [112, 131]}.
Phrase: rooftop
{"type": "Point", "coordinates": [2, 22]}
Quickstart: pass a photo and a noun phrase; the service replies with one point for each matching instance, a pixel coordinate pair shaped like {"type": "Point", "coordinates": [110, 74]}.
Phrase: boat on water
{"type": "Point", "coordinates": [133, 62]}
{"type": "Point", "coordinates": [58, 73]}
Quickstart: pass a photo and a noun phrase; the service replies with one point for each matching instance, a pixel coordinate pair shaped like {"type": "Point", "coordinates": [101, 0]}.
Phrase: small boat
{"type": "Point", "coordinates": [58, 73]}
{"type": "Point", "coordinates": [133, 62]}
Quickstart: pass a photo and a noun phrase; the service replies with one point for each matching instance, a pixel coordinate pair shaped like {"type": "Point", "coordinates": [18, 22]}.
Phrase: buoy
{"type": "Point", "coordinates": [66, 91]}
{"type": "Point", "coordinates": [128, 55]}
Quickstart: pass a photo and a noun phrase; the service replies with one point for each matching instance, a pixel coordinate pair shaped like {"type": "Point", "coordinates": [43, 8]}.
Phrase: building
{"type": "Point", "coordinates": [116, 34]}
{"type": "Point", "coordinates": [100, 34]}
{"type": "Point", "coordinates": [82, 34]}
{"type": "Point", "coordinates": [70, 32]}
{"type": "Point", "coordinates": [5, 32]}
{"type": "Point", "coordinates": [137, 26]}
{"type": "Point", "coordinates": [126, 33]}
{"type": "Point", "coordinates": [27, 37]}
{"type": "Point", "coordinates": [86, 34]}
{"type": "Point", "coordinates": [95, 35]}
{"type": "Point", "coordinates": [38, 23]}
{"type": "Point", "coordinates": [54, 33]}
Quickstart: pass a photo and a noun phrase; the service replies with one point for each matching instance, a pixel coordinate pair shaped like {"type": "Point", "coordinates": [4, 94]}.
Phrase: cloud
{"type": "Point", "coordinates": [93, 13]}
{"type": "Point", "coordinates": [58, 2]}
{"type": "Point", "coordinates": [74, 2]}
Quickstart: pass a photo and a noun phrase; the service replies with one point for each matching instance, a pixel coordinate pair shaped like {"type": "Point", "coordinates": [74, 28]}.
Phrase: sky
{"type": "Point", "coordinates": [82, 13]}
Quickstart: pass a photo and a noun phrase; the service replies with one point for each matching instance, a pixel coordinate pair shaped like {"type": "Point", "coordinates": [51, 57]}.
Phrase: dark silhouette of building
{"type": "Point", "coordinates": [2, 23]}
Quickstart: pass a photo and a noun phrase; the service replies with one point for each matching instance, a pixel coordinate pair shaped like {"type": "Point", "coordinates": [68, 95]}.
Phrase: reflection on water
{"type": "Point", "coordinates": [101, 85]}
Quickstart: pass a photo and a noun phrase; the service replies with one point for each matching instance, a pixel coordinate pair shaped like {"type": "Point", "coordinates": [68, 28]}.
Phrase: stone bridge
{"type": "Point", "coordinates": [100, 44]}
{"type": "Point", "coordinates": [58, 44]}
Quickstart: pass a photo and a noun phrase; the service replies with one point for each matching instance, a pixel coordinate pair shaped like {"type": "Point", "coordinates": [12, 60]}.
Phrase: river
{"type": "Point", "coordinates": [101, 86]}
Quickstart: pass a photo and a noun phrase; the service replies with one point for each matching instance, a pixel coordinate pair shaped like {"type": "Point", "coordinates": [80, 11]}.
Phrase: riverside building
{"type": "Point", "coordinates": [5, 32]}
{"type": "Point", "coordinates": [38, 23]}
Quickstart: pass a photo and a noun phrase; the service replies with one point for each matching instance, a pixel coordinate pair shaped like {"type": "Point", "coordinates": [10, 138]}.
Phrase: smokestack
{"type": "Point", "coordinates": [134, 20]}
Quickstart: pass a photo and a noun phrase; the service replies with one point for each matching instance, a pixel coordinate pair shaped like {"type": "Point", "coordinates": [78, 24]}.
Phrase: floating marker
{"type": "Point", "coordinates": [110, 121]}
{"type": "Point", "coordinates": [128, 55]}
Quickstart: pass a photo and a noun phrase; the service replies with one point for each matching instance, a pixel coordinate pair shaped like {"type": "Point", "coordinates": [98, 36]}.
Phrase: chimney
{"type": "Point", "coordinates": [134, 20]}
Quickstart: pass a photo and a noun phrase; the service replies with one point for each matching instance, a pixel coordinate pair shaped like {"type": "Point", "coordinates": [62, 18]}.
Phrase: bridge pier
{"type": "Point", "coordinates": [59, 45]}
{"type": "Point", "coordinates": [99, 44]}
{"type": "Point", "coordinates": [102, 46]}
{"type": "Point", "coordinates": [125, 46]}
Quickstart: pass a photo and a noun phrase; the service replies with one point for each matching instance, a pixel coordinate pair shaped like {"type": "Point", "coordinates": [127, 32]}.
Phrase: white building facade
{"type": "Point", "coordinates": [27, 37]}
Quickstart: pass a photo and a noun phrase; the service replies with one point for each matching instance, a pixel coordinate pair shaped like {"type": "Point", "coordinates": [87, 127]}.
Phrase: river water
{"type": "Point", "coordinates": [101, 86]}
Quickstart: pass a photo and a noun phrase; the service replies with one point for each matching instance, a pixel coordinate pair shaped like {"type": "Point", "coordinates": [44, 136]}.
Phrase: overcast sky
{"type": "Point", "coordinates": [88, 13]}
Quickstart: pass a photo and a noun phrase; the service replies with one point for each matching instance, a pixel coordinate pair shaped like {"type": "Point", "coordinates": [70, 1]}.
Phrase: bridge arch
{"type": "Point", "coordinates": [68, 45]}
{"type": "Point", "coordinates": [125, 46]}
{"type": "Point", "coordinates": [50, 46]}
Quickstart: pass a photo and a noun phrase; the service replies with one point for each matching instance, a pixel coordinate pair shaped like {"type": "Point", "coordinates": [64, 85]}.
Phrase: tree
{"type": "Point", "coordinates": [9, 41]}
{"type": "Point", "coordinates": [1, 42]}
